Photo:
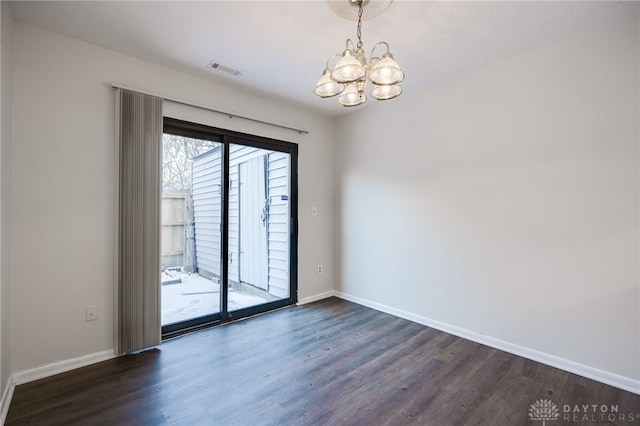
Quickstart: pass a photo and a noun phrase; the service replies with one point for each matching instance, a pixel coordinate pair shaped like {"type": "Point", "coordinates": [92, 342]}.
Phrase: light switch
{"type": "Point", "coordinates": [92, 313]}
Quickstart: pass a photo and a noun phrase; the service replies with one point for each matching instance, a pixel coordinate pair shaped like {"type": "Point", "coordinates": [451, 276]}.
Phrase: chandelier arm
{"type": "Point", "coordinates": [376, 45]}
{"type": "Point", "coordinates": [349, 41]}
{"type": "Point", "coordinates": [335, 55]}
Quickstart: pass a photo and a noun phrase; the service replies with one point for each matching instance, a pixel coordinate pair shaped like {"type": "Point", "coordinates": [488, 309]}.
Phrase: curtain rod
{"type": "Point", "coordinates": [219, 111]}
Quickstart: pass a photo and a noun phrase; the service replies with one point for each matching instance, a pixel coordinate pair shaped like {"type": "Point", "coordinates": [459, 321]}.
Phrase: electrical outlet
{"type": "Point", "coordinates": [92, 312]}
{"type": "Point", "coordinates": [320, 269]}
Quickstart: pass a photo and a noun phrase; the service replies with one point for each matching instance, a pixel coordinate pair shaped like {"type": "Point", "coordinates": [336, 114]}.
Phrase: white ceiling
{"type": "Point", "coordinates": [281, 47]}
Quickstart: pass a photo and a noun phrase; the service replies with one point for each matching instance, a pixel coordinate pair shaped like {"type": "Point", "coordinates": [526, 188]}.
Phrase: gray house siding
{"type": "Point", "coordinates": [278, 236]}
{"type": "Point", "coordinates": [207, 211]}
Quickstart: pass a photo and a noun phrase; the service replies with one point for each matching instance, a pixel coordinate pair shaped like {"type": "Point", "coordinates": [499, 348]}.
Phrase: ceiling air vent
{"type": "Point", "coordinates": [217, 66]}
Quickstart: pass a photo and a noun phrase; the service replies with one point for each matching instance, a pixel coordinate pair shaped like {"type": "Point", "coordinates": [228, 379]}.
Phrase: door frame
{"type": "Point", "coordinates": [226, 138]}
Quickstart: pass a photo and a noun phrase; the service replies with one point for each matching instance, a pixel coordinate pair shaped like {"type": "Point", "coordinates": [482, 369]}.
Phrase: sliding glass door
{"type": "Point", "coordinates": [228, 234]}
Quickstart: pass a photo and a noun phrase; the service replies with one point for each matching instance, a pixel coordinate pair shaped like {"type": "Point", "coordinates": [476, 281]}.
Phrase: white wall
{"type": "Point", "coordinates": [63, 186]}
{"type": "Point", "coordinates": [6, 20]}
{"type": "Point", "coordinates": [505, 202]}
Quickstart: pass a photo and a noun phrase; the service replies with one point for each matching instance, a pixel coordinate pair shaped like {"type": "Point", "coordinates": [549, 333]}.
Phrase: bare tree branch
{"type": "Point", "coordinates": [178, 152]}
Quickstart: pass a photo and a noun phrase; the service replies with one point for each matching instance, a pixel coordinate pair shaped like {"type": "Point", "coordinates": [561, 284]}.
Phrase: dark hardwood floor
{"type": "Point", "coordinates": [327, 363]}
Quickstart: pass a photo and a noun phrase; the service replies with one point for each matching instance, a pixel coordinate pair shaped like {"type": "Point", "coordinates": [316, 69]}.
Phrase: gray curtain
{"type": "Point", "coordinates": [140, 154]}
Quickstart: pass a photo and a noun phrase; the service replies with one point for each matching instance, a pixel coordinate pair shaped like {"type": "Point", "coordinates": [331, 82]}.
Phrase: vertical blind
{"type": "Point", "coordinates": [140, 156]}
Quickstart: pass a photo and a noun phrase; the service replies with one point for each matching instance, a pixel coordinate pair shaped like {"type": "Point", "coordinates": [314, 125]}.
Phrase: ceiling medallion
{"type": "Point", "coordinates": [348, 9]}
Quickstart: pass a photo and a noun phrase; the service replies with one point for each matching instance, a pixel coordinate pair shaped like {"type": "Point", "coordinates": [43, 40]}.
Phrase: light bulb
{"type": "Point", "coordinates": [348, 69]}
{"type": "Point", "coordinates": [386, 71]}
{"type": "Point", "coordinates": [326, 86]}
{"type": "Point", "coordinates": [384, 93]}
{"type": "Point", "coordinates": [351, 96]}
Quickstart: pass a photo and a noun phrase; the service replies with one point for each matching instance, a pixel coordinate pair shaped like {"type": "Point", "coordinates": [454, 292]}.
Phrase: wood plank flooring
{"type": "Point", "coordinates": [327, 363]}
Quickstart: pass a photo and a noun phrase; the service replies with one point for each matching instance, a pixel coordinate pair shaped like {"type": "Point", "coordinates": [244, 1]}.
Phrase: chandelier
{"type": "Point", "coordinates": [349, 77]}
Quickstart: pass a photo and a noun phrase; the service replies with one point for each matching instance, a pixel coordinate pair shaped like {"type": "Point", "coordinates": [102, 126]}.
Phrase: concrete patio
{"type": "Point", "coordinates": [188, 296]}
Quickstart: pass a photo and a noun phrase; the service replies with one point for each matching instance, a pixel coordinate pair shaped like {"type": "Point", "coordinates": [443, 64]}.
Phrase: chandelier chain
{"type": "Point", "coordinates": [359, 31]}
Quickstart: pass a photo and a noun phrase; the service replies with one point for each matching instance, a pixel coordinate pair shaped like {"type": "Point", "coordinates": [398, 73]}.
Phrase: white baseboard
{"type": "Point", "coordinates": [53, 368]}
{"type": "Point", "coordinates": [7, 395]}
{"type": "Point", "coordinates": [602, 376]}
{"type": "Point", "coordinates": [316, 297]}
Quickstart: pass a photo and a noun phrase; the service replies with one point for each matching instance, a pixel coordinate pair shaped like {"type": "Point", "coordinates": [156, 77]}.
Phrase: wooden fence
{"type": "Point", "coordinates": [173, 230]}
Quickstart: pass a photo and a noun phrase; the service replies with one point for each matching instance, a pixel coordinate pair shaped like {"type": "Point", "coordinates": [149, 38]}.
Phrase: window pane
{"type": "Point", "coordinates": [191, 228]}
